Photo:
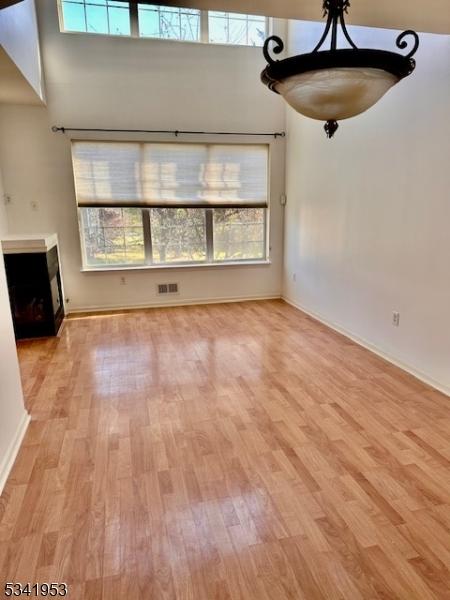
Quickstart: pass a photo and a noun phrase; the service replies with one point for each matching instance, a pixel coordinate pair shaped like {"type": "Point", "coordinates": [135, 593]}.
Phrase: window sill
{"type": "Point", "coordinates": [157, 39]}
{"type": "Point", "coordinates": [249, 263]}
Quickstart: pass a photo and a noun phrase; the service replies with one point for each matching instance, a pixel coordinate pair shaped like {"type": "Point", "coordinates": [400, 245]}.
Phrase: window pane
{"type": "Point", "coordinates": [148, 23]}
{"type": "Point", "coordinates": [97, 16]}
{"type": "Point", "coordinates": [239, 233]}
{"type": "Point", "coordinates": [73, 16]}
{"type": "Point", "coordinates": [169, 25]}
{"type": "Point", "coordinates": [178, 235]}
{"type": "Point", "coordinates": [169, 22]}
{"type": "Point", "coordinates": [218, 30]}
{"type": "Point", "coordinates": [238, 29]}
{"type": "Point", "coordinates": [119, 21]}
{"type": "Point", "coordinates": [113, 236]}
{"type": "Point", "coordinates": [132, 217]}
{"type": "Point", "coordinates": [96, 19]}
{"type": "Point", "coordinates": [256, 33]}
{"type": "Point", "coordinates": [190, 27]}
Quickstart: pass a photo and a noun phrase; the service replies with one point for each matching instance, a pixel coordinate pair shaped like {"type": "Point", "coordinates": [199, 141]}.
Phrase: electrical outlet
{"type": "Point", "coordinates": [294, 276]}
{"type": "Point", "coordinates": [123, 281]}
{"type": "Point", "coordinates": [396, 319]}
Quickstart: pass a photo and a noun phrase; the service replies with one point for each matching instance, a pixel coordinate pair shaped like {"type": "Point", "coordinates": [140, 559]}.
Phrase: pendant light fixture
{"type": "Point", "coordinates": [335, 84]}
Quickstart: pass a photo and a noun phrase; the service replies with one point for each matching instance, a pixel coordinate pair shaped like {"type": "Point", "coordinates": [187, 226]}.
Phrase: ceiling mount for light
{"type": "Point", "coordinates": [335, 84]}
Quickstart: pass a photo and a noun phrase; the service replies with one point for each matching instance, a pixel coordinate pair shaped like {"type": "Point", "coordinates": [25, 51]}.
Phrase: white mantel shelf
{"type": "Point", "coordinates": [28, 243]}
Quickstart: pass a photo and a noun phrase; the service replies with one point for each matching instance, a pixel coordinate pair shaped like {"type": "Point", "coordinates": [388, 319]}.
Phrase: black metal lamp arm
{"type": "Point", "coordinates": [335, 9]}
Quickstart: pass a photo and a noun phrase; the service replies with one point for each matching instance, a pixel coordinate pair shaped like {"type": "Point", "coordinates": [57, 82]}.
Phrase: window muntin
{"type": "Point", "coordinates": [96, 16]}
{"type": "Point", "coordinates": [178, 235]}
{"type": "Point", "coordinates": [166, 22]}
{"type": "Point", "coordinates": [135, 237]}
{"type": "Point", "coordinates": [236, 29]}
{"type": "Point", "coordinates": [112, 236]}
{"type": "Point", "coordinates": [114, 17]}
{"type": "Point", "coordinates": [239, 234]}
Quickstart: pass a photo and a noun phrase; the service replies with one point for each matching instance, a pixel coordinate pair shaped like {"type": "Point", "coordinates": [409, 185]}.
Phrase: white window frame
{"type": "Point", "coordinates": [209, 239]}
{"type": "Point", "coordinates": [209, 261]}
{"type": "Point", "coordinates": [134, 29]}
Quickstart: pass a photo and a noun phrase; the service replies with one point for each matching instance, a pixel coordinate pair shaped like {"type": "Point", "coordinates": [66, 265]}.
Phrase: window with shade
{"type": "Point", "coordinates": [154, 204]}
{"type": "Point", "coordinates": [145, 20]}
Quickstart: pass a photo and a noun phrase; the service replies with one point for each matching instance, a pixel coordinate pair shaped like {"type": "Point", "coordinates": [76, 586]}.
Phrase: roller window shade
{"type": "Point", "coordinates": [170, 174]}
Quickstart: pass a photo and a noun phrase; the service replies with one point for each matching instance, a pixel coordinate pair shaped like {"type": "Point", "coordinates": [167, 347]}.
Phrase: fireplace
{"type": "Point", "coordinates": [34, 284]}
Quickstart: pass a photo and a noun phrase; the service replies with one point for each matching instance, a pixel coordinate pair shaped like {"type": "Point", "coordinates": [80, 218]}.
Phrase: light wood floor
{"type": "Point", "coordinates": [239, 451]}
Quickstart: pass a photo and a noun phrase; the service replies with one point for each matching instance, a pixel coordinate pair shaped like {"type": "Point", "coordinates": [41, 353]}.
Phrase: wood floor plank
{"type": "Point", "coordinates": [226, 452]}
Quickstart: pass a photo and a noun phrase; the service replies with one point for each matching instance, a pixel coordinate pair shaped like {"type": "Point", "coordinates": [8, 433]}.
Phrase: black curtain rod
{"type": "Point", "coordinates": [175, 132]}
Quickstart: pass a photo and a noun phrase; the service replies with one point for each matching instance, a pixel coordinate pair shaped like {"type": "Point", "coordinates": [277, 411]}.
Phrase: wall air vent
{"type": "Point", "coordinates": [167, 288]}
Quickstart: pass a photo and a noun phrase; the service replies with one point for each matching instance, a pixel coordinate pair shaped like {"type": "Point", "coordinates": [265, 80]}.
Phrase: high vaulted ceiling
{"type": "Point", "coordinates": [6, 3]}
{"type": "Point", "coordinates": [14, 88]}
{"type": "Point", "coordinates": [422, 15]}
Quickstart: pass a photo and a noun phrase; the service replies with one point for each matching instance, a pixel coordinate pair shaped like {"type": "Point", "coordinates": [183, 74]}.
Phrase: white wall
{"type": "Point", "coordinates": [13, 418]}
{"type": "Point", "coordinates": [100, 81]}
{"type": "Point", "coordinates": [367, 216]}
{"type": "Point", "coordinates": [20, 38]}
{"type": "Point", "coordinates": [3, 214]}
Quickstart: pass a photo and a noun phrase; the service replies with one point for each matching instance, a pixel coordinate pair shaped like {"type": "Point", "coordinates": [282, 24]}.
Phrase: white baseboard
{"type": "Point", "coordinates": [372, 348]}
{"type": "Point", "coordinates": [7, 463]}
{"type": "Point", "coordinates": [174, 302]}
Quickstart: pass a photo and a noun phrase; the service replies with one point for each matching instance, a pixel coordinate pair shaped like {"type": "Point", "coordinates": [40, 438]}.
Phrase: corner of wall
{"type": "Point", "coordinates": [440, 387]}
{"type": "Point", "coordinates": [14, 418]}
{"type": "Point", "coordinates": [10, 455]}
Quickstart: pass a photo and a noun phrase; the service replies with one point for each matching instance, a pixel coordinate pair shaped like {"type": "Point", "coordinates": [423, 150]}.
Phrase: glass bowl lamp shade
{"type": "Point", "coordinates": [336, 84]}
